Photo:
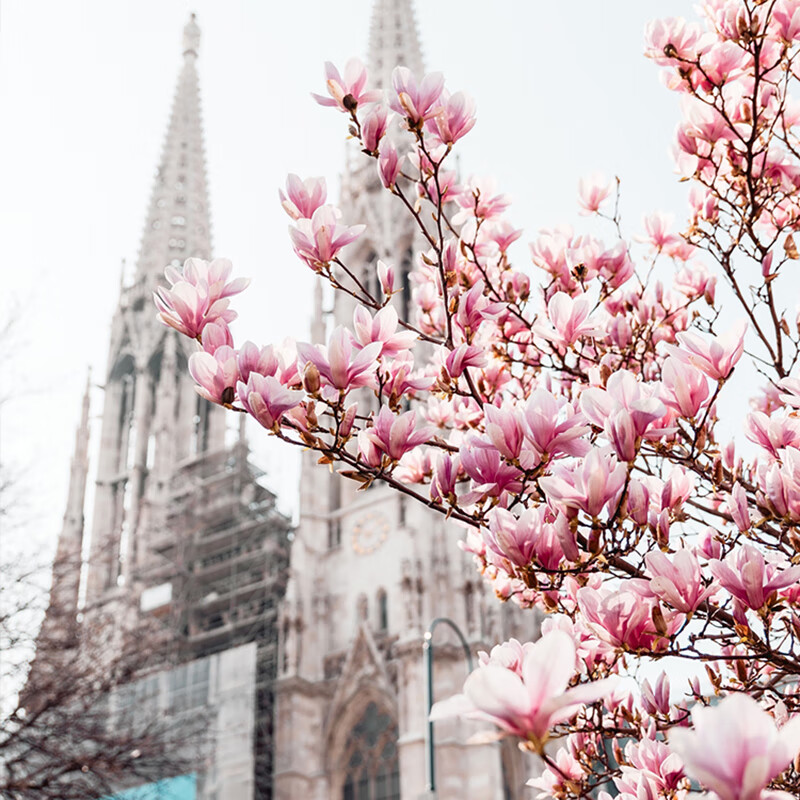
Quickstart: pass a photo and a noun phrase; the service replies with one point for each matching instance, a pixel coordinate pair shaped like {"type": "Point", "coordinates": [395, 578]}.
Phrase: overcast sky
{"type": "Point", "coordinates": [562, 90]}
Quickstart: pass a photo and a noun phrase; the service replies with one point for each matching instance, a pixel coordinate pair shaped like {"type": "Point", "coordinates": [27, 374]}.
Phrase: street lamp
{"type": "Point", "coordinates": [427, 652]}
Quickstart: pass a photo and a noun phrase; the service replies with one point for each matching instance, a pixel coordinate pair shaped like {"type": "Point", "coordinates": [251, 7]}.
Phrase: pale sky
{"type": "Point", "coordinates": [562, 90]}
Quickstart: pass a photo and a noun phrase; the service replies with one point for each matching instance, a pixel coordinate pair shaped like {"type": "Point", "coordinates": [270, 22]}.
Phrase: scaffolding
{"type": "Point", "coordinates": [223, 551]}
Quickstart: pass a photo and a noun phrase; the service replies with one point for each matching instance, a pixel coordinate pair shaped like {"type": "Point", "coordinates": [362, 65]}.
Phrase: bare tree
{"type": "Point", "coordinates": [86, 721]}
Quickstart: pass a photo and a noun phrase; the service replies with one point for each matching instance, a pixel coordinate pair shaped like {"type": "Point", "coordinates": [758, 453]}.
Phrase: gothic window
{"type": "Point", "coordinates": [151, 451]}
{"type": "Point", "coordinates": [370, 276]}
{"type": "Point", "coordinates": [127, 431]}
{"type": "Point", "coordinates": [199, 428]}
{"type": "Point", "coordinates": [383, 611]}
{"type": "Point", "coordinates": [334, 504]}
{"type": "Point", "coordinates": [406, 266]}
{"type": "Point", "coordinates": [372, 770]}
{"type": "Point", "coordinates": [334, 534]}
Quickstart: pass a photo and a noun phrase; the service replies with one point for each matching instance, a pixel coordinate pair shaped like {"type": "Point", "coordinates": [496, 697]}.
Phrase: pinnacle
{"type": "Point", "coordinates": [191, 36]}
{"type": "Point", "coordinates": [178, 223]}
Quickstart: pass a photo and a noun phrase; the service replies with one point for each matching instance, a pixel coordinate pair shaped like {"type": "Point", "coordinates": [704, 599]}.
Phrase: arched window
{"type": "Point", "coordinates": [372, 770]}
{"type": "Point", "coordinates": [406, 267]}
{"type": "Point", "coordinates": [383, 611]}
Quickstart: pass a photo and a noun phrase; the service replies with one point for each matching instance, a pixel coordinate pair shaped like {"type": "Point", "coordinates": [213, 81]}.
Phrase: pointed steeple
{"type": "Point", "coordinates": [152, 417]}
{"type": "Point", "coordinates": [67, 564]}
{"type": "Point", "coordinates": [178, 223]}
{"type": "Point", "coordinates": [393, 41]}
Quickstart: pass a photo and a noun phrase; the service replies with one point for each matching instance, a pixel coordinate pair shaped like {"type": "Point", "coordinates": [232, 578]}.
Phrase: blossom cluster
{"type": "Point", "coordinates": [565, 412]}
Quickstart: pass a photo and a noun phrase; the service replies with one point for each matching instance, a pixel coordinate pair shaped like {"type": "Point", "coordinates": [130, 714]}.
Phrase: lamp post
{"type": "Point", "coordinates": [427, 652]}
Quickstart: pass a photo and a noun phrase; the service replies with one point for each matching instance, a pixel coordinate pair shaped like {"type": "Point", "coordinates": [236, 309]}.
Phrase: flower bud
{"type": "Point", "coordinates": [311, 378]}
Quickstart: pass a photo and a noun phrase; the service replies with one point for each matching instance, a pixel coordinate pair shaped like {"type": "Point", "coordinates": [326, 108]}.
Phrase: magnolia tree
{"type": "Point", "coordinates": [567, 415]}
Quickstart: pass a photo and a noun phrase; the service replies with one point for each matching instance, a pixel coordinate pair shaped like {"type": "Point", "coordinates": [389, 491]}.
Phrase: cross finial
{"type": "Point", "coordinates": [191, 37]}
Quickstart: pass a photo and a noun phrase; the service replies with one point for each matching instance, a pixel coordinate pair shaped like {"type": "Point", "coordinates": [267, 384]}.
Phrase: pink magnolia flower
{"type": "Point", "coordinates": [531, 536]}
{"type": "Point", "coordinates": [657, 227]}
{"type": "Point", "coordinates": [684, 387]}
{"type": "Point", "coordinates": [735, 748]}
{"type": "Point", "coordinates": [509, 655]}
{"type": "Point", "coordinates": [623, 619]}
{"type": "Point", "coordinates": [773, 433]}
{"type": "Point", "coordinates": [212, 275]}
{"type": "Point", "coordinates": [340, 364]}
{"type": "Point", "coordinates": [389, 165]}
{"type": "Point", "coordinates": [722, 59]}
{"type": "Point", "coordinates": [368, 450]}
{"type": "Point", "coordinates": [738, 507]}
{"type": "Point", "coordinates": [626, 410]}
{"type": "Point", "coordinates": [637, 502]}
{"type": "Point", "coordinates": [717, 357]}
{"type": "Point", "coordinates": [214, 335]}
{"type": "Point", "coordinates": [751, 579]}
{"type": "Point", "coordinates": [592, 191]}
{"type": "Point", "coordinates": [490, 474]}
{"type": "Point", "coordinates": [216, 375]}
{"type": "Point", "coordinates": [677, 581]}
{"type": "Point", "coordinates": [656, 700]}
{"type": "Point", "coordinates": [454, 118]}
{"type": "Point", "coordinates": [463, 356]}
{"type": "Point", "coordinates": [553, 426]}
{"type": "Point", "coordinates": [303, 198]}
{"type": "Point", "coordinates": [569, 317]}
{"type": "Point", "coordinates": [266, 399]}
{"type": "Point", "coordinates": [667, 39]}
{"type": "Point", "coordinates": [319, 239]}
{"type": "Point", "coordinates": [444, 478]}
{"type": "Point", "coordinates": [198, 295]}
{"type": "Point", "coordinates": [250, 358]}
{"type": "Point", "coordinates": [589, 484]}
{"type": "Point", "coordinates": [416, 102]}
{"type": "Point", "coordinates": [786, 21]}
{"type": "Point", "coordinates": [792, 395]}
{"type": "Point", "coordinates": [381, 328]}
{"type": "Point", "coordinates": [653, 765]}
{"type": "Point", "coordinates": [399, 379]}
{"type": "Point", "coordinates": [479, 200]}
{"type": "Point", "coordinates": [553, 782]}
{"type": "Point", "coordinates": [374, 127]}
{"type": "Point", "coordinates": [676, 489]}
{"type": "Point", "coordinates": [504, 430]}
{"type": "Point", "coordinates": [473, 308]}
{"type": "Point", "coordinates": [348, 92]}
{"type": "Point", "coordinates": [386, 278]}
{"type": "Point", "coordinates": [530, 702]}
{"type": "Point", "coordinates": [395, 435]}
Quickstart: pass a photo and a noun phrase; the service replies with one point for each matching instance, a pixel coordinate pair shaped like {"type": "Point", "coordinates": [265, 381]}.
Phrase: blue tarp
{"type": "Point", "coordinates": [184, 787]}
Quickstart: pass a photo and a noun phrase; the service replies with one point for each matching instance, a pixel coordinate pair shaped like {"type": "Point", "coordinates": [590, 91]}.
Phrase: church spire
{"type": "Point", "coordinates": [393, 41]}
{"type": "Point", "coordinates": [178, 222]}
{"type": "Point", "coordinates": [67, 564]}
{"type": "Point", "coordinates": [152, 417]}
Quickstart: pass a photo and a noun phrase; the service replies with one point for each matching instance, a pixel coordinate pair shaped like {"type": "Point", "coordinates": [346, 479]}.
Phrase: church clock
{"type": "Point", "coordinates": [369, 532]}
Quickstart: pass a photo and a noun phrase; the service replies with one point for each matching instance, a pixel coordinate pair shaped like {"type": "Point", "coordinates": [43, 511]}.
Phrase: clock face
{"type": "Point", "coordinates": [369, 532]}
